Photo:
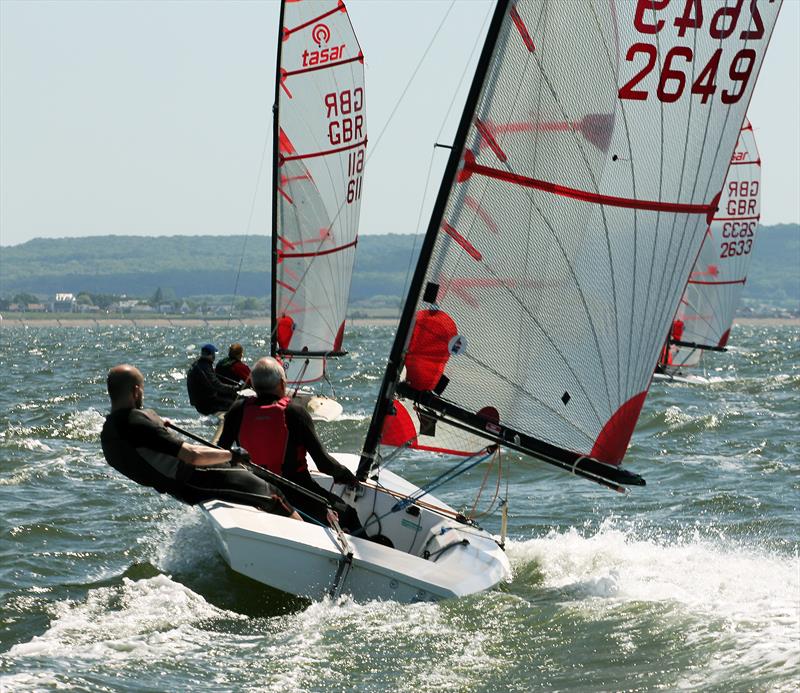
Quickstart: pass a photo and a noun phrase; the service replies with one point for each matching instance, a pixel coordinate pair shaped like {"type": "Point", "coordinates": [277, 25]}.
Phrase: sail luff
{"type": "Point", "coordinates": [273, 301]}
{"type": "Point", "coordinates": [392, 372]}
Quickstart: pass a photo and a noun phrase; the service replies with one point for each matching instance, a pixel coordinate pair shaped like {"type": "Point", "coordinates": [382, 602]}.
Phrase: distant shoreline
{"type": "Point", "coordinates": [69, 321]}
{"type": "Point", "coordinates": [49, 321]}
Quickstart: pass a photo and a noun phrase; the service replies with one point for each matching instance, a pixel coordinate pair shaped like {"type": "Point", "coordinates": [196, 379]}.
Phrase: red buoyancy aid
{"type": "Point", "coordinates": [429, 348]}
{"type": "Point", "coordinates": [263, 433]}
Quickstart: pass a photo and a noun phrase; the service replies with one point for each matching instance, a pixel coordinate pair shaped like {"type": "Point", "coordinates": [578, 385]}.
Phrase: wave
{"type": "Point", "coordinates": [743, 596]}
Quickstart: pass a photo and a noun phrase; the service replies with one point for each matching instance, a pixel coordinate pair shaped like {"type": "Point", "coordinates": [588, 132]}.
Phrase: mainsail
{"type": "Point", "coordinates": [320, 139]}
{"type": "Point", "coordinates": [587, 166]}
{"type": "Point", "coordinates": [708, 305]}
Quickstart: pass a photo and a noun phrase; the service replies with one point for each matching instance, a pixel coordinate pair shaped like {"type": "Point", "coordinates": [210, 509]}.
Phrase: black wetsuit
{"type": "Point", "coordinates": [137, 444]}
{"type": "Point", "coordinates": [207, 393]}
{"type": "Point", "coordinates": [302, 438]}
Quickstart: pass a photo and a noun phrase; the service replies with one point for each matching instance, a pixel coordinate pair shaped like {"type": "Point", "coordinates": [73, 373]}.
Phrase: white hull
{"type": "Point", "coordinates": [305, 559]}
{"type": "Point", "coordinates": [689, 378]}
{"type": "Point", "coordinates": [320, 407]}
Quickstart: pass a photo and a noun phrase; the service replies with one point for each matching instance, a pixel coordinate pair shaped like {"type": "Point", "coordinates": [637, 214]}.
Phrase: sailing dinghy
{"type": "Point", "coordinates": [705, 315]}
{"type": "Point", "coordinates": [320, 140]}
{"type": "Point", "coordinates": [586, 168]}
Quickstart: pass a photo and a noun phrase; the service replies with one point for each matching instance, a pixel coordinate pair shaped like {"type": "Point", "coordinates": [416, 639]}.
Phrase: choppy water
{"type": "Point", "coordinates": [692, 582]}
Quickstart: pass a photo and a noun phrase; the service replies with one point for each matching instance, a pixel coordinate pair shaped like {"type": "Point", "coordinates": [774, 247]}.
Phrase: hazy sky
{"type": "Point", "coordinates": [151, 118]}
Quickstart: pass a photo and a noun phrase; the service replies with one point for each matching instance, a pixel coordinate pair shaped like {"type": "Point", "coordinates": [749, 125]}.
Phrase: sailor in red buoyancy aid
{"type": "Point", "coordinates": [278, 434]}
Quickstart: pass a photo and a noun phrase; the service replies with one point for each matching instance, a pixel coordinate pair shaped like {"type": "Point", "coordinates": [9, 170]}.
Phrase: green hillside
{"type": "Point", "coordinates": [186, 266]}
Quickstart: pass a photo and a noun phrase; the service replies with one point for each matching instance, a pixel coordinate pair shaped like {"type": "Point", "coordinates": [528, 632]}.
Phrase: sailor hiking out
{"type": "Point", "coordinates": [137, 443]}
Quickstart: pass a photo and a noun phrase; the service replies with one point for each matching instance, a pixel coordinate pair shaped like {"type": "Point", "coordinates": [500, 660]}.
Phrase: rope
{"type": "Point", "coordinates": [472, 514]}
{"type": "Point", "coordinates": [448, 475]}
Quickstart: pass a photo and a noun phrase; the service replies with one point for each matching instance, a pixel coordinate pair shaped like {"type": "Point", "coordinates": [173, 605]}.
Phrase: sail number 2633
{"type": "Point", "coordinates": [740, 19]}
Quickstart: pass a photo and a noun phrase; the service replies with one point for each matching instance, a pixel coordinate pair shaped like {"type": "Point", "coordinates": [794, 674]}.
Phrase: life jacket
{"type": "Point", "coordinates": [264, 434]}
{"type": "Point", "coordinates": [429, 348]}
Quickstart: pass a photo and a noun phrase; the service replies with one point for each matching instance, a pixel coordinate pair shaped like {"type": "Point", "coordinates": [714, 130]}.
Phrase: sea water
{"type": "Point", "coordinates": [692, 582]}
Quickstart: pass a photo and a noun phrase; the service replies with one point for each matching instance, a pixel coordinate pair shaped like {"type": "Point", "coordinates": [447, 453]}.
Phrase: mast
{"type": "Point", "coordinates": [403, 333]}
{"type": "Point", "coordinates": [273, 317]}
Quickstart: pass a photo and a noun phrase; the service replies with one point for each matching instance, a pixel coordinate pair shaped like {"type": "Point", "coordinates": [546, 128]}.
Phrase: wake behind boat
{"type": "Point", "coordinates": [558, 247]}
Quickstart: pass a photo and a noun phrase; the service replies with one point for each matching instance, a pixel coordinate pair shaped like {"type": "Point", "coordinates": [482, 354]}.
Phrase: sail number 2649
{"type": "Point", "coordinates": [742, 16]}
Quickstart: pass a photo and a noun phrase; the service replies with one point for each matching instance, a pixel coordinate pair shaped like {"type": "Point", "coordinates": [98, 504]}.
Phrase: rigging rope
{"type": "Point", "coordinates": [373, 146]}
{"type": "Point", "coordinates": [472, 514]}
{"type": "Point", "coordinates": [249, 224]}
{"type": "Point", "coordinates": [433, 152]}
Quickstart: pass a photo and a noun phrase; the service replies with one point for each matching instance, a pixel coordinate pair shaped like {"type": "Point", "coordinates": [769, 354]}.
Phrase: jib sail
{"type": "Point", "coordinates": [588, 164]}
{"type": "Point", "coordinates": [708, 305]}
{"type": "Point", "coordinates": [320, 137]}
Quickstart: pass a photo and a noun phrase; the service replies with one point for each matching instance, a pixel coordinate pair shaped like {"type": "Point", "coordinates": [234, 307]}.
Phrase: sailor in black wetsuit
{"type": "Point", "coordinates": [277, 434]}
{"type": "Point", "coordinates": [207, 393]}
{"type": "Point", "coordinates": [137, 443]}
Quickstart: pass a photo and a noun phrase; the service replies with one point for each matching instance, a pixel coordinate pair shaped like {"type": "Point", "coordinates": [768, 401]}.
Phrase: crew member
{"type": "Point", "coordinates": [137, 443]}
{"type": "Point", "coordinates": [207, 393]}
{"type": "Point", "coordinates": [232, 368]}
{"type": "Point", "coordinates": [278, 433]}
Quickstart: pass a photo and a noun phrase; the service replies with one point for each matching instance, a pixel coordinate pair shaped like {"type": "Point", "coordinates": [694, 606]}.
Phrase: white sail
{"type": "Point", "coordinates": [708, 305]}
{"type": "Point", "coordinates": [589, 170]}
{"type": "Point", "coordinates": [321, 144]}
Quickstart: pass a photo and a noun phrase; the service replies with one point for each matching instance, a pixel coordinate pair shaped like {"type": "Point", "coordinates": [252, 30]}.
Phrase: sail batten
{"type": "Point", "coordinates": [321, 139]}
{"type": "Point", "coordinates": [587, 167]}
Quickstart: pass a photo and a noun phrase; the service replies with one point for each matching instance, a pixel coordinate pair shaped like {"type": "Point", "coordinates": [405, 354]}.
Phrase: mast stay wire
{"type": "Point", "coordinates": [433, 152]}
{"type": "Point", "coordinates": [249, 224]}
{"type": "Point", "coordinates": [371, 149]}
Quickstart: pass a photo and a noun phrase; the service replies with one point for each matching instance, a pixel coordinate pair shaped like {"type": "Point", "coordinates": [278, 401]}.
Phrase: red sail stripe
{"type": "Point", "coordinates": [292, 275]}
{"type": "Point", "coordinates": [463, 242]}
{"type": "Point", "coordinates": [285, 143]}
{"type": "Point", "coordinates": [732, 281]}
{"type": "Point", "coordinates": [737, 218]}
{"type": "Point", "coordinates": [491, 141]}
{"type": "Point", "coordinates": [757, 162]}
{"type": "Point", "coordinates": [288, 32]}
{"type": "Point", "coordinates": [286, 241]}
{"type": "Point", "coordinates": [283, 83]}
{"type": "Point", "coordinates": [285, 285]}
{"type": "Point", "coordinates": [472, 203]}
{"type": "Point", "coordinates": [583, 195]}
{"type": "Point", "coordinates": [323, 234]}
{"type": "Point", "coordinates": [288, 199]}
{"type": "Point", "coordinates": [355, 145]}
{"type": "Point", "coordinates": [289, 179]}
{"type": "Point", "coordinates": [523, 30]}
{"type": "Point", "coordinates": [359, 57]}
{"type": "Point", "coordinates": [322, 252]}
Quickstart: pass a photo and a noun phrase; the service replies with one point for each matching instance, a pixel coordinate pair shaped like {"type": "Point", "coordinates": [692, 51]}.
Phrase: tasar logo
{"type": "Point", "coordinates": [321, 34]}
